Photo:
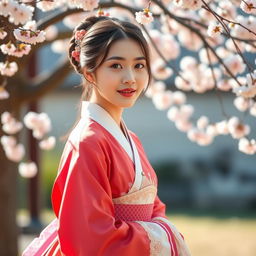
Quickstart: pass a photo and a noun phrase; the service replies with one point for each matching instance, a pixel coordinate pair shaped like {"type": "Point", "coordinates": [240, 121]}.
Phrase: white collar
{"type": "Point", "coordinates": [101, 116]}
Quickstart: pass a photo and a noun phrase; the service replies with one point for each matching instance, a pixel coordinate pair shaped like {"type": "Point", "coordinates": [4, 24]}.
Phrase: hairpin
{"type": "Point", "coordinates": [79, 35]}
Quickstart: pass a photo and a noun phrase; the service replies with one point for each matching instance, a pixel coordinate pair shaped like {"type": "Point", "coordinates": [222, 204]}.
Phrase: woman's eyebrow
{"type": "Point", "coordinates": [122, 58]}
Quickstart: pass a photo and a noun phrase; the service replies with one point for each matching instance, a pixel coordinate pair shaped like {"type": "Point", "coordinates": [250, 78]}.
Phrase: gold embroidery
{"type": "Point", "coordinates": [145, 195]}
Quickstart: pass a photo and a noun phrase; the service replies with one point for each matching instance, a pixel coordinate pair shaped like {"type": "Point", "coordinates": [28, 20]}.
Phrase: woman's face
{"type": "Point", "coordinates": [122, 76]}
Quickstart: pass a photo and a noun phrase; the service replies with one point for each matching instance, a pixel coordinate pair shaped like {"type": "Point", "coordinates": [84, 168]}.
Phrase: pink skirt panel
{"type": "Point", "coordinates": [41, 244]}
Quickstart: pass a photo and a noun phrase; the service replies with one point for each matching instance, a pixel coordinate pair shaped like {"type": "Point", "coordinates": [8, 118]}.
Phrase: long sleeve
{"type": "Point", "coordinates": [159, 208]}
{"type": "Point", "coordinates": [83, 204]}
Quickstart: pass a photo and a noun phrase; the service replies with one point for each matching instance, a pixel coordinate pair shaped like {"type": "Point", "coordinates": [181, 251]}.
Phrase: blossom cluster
{"type": "Point", "coordinates": [17, 13]}
{"type": "Point", "coordinates": [17, 51]}
{"type": "Point", "coordinates": [40, 124]}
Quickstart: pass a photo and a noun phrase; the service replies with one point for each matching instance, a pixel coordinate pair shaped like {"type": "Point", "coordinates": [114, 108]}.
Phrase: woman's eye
{"type": "Point", "coordinates": [116, 66]}
{"type": "Point", "coordinates": [140, 65]}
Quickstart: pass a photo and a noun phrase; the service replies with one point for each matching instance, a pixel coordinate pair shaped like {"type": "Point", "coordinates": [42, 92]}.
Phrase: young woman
{"type": "Point", "coordinates": [105, 195]}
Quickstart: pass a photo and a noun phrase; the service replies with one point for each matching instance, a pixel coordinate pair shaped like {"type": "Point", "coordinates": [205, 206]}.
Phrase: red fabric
{"type": "Point", "coordinates": [94, 169]}
{"type": "Point", "coordinates": [131, 212]}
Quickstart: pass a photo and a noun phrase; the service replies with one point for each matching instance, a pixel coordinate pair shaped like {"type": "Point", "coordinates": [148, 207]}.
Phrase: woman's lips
{"type": "Point", "coordinates": [128, 92]}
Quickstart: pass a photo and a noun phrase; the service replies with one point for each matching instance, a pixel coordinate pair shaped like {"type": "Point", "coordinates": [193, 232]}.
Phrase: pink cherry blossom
{"type": "Point", "coordinates": [8, 141]}
{"type": "Point", "coordinates": [6, 117]}
{"type": "Point", "coordinates": [162, 100]}
{"type": "Point", "coordinates": [28, 170]}
{"type": "Point", "coordinates": [30, 37]}
{"type": "Point", "coordinates": [248, 6]}
{"type": "Point", "coordinates": [20, 13]}
{"type": "Point", "coordinates": [173, 113]}
{"type": "Point", "coordinates": [46, 6]}
{"type": "Point", "coordinates": [211, 130]}
{"type": "Point", "coordinates": [8, 48]}
{"type": "Point", "coordinates": [253, 109]}
{"type": "Point", "coordinates": [48, 143]}
{"type": "Point", "coordinates": [203, 55]}
{"type": "Point", "coordinates": [249, 90]}
{"type": "Point", "coordinates": [88, 5]}
{"type": "Point", "coordinates": [72, 20]}
{"type": "Point", "coordinates": [21, 49]}
{"type": "Point", "coordinates": [160, 71]}
{"type": "Point", "coordinates": [169, 47]}
{"type": "Point", "coordinates": [188, 63]}
{"type": "Point", "coordinates": [214, 29]}
{"type": "Point", "coordinates": [222, 127]}
{"type": "Point", "coordinates": [182, 84]}
{"type": "Point", "coordinates": [183, 125]}
{"type": "Point", "coordinates": [60, 46]}
{"type": "Point", "coordinates": [8, 68]}
{"type": "Point", "coordinates": [178, 97]}
{"type": "Point", "coordinates": [202, 122]}
{"type": "Point", "coordinates": [241, 103]}
{"type": "Point", "coordinates": [237, 129]}
{"type": "Point", "coordinates": [3, 94]}
{"type": "Point", "coordinates": [188, 4]}
{"type": "Point", "coordinates": [200, 137]}
{"type": "Point", "coordinates": [30, 25]}
{"type": "Point", "coordinates": [51, 32]}
{"type": "Point", "coordinates": [224, 85]}
{"type": "Point", "coordinates": [12, 126]}
{"type": "Point", "coordinates": [15, 153]}
{"type": "Point", "coordinates": [144, 17]}
{"type": "Point", "coordinates": [5, 7]}
{"type": "Point", "coordinates": [156, 87]}
{"type": "Point", "coordinates": [227, 10]}
{"type": "Point", "coordinates": [189, 39]}
{"type": "Point", "coordinates": [39, 123]}
{"type": "Point", "coordinates": [246, 146]}
{"type": "Point", "coordinates": [235, 64]}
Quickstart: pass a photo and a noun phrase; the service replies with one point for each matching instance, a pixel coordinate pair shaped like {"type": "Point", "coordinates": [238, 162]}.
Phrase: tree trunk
{"type": "Point", "coordinates": [8, 190]}
{"type": "Point", "coordinates": [8, 204]}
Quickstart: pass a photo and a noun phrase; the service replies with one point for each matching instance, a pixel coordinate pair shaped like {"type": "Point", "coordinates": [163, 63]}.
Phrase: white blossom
{"type": "Point", "coordinates": [30, 37]}
{"type": "Point", "coordinates": [28, 170]}
{"type": "Point", "coordinates": [237, 129]}
{"type": "Point", "coordinates": [20, 13]}
{"type": "Point", "coordinates": [214, 29]}
{"type": "Point", "coordinates": [8, 141]}
{"type": "Point", "coordinates": [4, 94]}
{"type": "Point", "coordinates": [241, 103]}
{"type": "Point", "coordinates": [162, 100]}
{"type": "Point", "coordinates": [144, 17]}
{"type": "Point", "coordinates": [48, 143]}
{"type": "Point", "coordinates": [246, 146]}
{"type": "Point", "coordinates": [8, 68]}
{"type": "Point", "coordinates": [15, 153]}
{"type": "Point", "coordinates": [202, 122]}
{"type": "Point", "coordinates": [248, 6]}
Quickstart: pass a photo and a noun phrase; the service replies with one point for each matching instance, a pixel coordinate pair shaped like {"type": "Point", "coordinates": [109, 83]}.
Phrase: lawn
{"type": "Point", "coordinates": [209, 236]}
{"type": "Point", "coordinates": [206, 235]}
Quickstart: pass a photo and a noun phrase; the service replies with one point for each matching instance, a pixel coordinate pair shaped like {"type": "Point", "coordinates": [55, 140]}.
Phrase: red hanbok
{"type": "Point", "coordinates": [105, 197]}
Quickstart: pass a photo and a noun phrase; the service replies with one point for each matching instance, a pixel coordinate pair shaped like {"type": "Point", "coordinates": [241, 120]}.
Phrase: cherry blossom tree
{"type": "Point", "coordinates": [217, 36]}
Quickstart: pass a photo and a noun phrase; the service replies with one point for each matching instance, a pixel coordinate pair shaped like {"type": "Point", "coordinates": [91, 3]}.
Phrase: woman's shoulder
{"type": "Point", "coordinates": [87, 132]}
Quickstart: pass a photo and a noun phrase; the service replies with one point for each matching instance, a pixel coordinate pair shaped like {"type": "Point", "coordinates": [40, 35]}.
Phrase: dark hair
{"type": "Point", "coordinates": [101, 33]}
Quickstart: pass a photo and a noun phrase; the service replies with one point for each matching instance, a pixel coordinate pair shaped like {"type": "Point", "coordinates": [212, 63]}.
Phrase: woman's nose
{"type": "Point", "coordinates": [129, 77]}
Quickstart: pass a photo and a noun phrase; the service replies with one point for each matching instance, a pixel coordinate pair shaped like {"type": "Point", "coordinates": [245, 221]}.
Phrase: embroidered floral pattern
{"type": "Point", "coordinates": [145, 195]}
{"type": "Point", "coordinates": [159, 244]}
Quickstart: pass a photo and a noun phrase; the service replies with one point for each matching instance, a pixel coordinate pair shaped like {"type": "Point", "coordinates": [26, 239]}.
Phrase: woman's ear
{"type": "Point", "coordinates": [89, 76]}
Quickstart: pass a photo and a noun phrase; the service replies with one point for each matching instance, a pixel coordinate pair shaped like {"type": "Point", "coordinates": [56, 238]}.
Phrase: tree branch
{"type": "Point", "coordinates": [46, 82]}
